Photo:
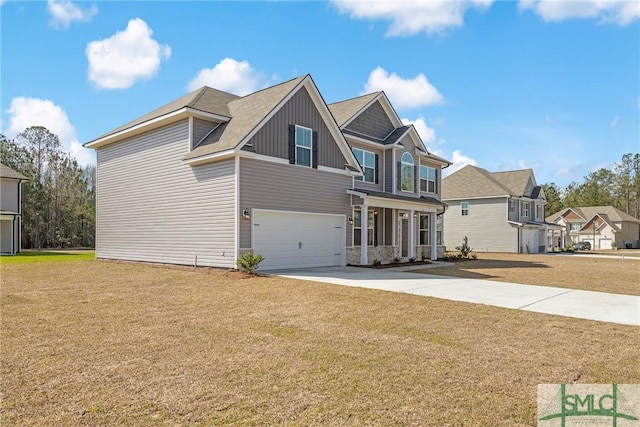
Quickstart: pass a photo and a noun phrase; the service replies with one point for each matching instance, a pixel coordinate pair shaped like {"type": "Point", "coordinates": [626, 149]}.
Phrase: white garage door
{"type": "Point", "coordinates": [295, 240]}
{"type": "Point", "coordinates": [530, 240]}
{"type": "Point", "coordinates": [605, 243]}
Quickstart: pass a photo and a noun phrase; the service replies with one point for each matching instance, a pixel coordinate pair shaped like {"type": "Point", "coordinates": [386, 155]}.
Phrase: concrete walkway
{"type": "Point", "coordinates": [604, 307]}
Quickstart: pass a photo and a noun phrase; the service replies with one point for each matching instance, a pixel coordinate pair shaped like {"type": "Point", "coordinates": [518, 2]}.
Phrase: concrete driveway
{"type": "Point", "coordinates": [604, 307]}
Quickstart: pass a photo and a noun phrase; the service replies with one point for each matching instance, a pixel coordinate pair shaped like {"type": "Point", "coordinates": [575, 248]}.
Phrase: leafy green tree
{"type": "Point", "coordinates": [554, 201]}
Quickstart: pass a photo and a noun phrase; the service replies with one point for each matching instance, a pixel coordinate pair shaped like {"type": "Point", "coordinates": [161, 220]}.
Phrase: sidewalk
{"type": "Point", "coordinates": [600, 306]}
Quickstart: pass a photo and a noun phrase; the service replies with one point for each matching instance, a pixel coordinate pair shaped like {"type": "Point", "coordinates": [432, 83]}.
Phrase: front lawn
{"type": "Point", "coordinates": [107, 343]}
{"type": "Point", "coordinates": [46, 256]}
{"type": "Point", "coordinates": [602, 274]}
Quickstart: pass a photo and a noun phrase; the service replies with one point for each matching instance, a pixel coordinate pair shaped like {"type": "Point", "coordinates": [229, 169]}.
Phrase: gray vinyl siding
{"type": "Point", "coordinates": [513, 216]}
{"type": "Point", "coordinates": [152, 207]}
{"type": "Point", "coordinates": [201, 128]}
{"type": "Point", "coordinates": [389, 171]}
{"type": "Point", "coordinates": [267, 185]}
{"type": "Point", "coordinates": [9, 195]}
{"type": "Point", "coordinates": [485, 227]}
{"type": "Point", "coordinates": [369, 185]}
{"type": "Point", "coordinates": [273, 138]}
{"type": "Point", "coordinates": [372, 122]}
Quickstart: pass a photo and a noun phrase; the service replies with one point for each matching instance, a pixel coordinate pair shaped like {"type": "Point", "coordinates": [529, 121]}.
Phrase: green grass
{"type": "Point", "coordinates": [29, 257]}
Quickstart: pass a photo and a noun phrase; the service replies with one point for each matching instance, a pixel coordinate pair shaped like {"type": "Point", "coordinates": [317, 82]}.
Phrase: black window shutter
{"type": "Point", "coordinates": [399, 175]}
{"type": "Point", "coordinates": [292, 144]}
{"type": "Point", "coordinates": [377, 168]}
{"type": "Point", "coordinates": [314, 149]}
{"type": "Point", "coordinates": [416, 180]}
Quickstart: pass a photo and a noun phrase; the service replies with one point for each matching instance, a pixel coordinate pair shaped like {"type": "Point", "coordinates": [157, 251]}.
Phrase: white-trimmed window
{"type": "Point", "coordinates": [539, 211]}
{"type": "Point", "coordinates": [406, 173]}
{"type": "Point", "coordinates": [439, 230]}
{"type": "Point", "coordinates": [524, 209]}
{"type": "Point", "coordinates": [424, 229]}
{"type": "Point", "coordinates": [576, 226]}
{"type": "Point", "coordinates": [428, 179]}
{"type": "Point", "coordinates": [304, 153]}
{"type": "Point", "coordinates": [357, 227]}
{"type": "Point", "coordinates": [367, 160]}
{"type": "Point", "coordinates": [512, 205]}
{"type": "Point", "coordinates": [464, 208]}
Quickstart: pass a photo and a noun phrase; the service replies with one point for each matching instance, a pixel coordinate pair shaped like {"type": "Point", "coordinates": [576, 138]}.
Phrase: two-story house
{"type": "Point", "coordinates": [10, 210]}
{"type": "Point", "coordinates": [278, 172]}
{"type": "Point", "coordinates": [605, 227]}
{"type": "Point", "coordinates": [495, 211]}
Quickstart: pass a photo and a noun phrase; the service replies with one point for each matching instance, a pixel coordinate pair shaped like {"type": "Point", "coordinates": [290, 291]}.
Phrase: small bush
{"type": "Point", "coordinates": [376, 262]}
{"type": "Point", "coordinates": [249, 262]}
{"type": "Point", "coordinates": [412, 259]}
{"type": "Point", "coordinates": [465, 250]}
{"type": "Point", "coordinates": [396, 260]}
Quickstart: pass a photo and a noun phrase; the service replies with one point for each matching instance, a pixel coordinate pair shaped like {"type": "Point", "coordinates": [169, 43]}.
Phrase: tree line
{"type": "Point", "coordinates": [618, 187]}
{"type": "Point", "coordinates": [58, 200]}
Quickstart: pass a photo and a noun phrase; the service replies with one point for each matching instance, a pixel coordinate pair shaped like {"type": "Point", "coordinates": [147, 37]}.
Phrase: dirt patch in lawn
{"type": "Point", "coordinates": [105, 343]}
{"type": "Point", "coordinates": [564, 271]}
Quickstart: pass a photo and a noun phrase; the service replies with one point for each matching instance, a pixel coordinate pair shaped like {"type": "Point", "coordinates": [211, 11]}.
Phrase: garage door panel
{"type": "Point", "coordinates": [290, 239]}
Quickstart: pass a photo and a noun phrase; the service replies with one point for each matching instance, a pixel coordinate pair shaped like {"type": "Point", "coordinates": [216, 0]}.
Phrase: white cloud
{"type": "Point", "coordinates": [229, 75]}
{"type": "Point", "coordinates": [64, 12]}
{"type": "Point", "coordinates": [459, 161]}
{"type": "Point", "coordinates": [621, 12]}
{"type": "Point", "coordinates": [615, 121]}
{"type": "Point", "coordinates": [427, 134]}
{"type": "Point", "coordinates": [403, 93]}
{"type": "Point", "coordinates": [117, 62]}
{"type": "Point", "coordinates": [412, 16]}
{"type": "Point", "coordinates": [26, 112]}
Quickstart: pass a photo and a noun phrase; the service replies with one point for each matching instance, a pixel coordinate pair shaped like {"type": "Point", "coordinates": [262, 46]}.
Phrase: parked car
{"type": "Point", "coordinates": [582, 246]}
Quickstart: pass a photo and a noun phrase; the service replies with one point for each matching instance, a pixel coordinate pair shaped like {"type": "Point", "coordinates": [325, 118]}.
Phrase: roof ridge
{"type": "Point", "coordinates": [376, 93]}
{"type": "Point", "coordinates": [269, 87]}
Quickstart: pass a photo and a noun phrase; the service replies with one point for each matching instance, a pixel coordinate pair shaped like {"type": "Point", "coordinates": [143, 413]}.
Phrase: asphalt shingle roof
{"type": "Point", "coordinates": [587, 212]}
{"type": "Point", "coordinates": [342, 111]}
{"type": "Point", "coordinates": [7, 172]}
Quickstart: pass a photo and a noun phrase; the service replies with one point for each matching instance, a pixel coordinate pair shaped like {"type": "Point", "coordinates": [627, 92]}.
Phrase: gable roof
{"type": "Point", "coordinates": [7, 172]}
{"type": "Point", "coordinates": [343, 111]}
{"type": "Point", "coordinates": [611, 213]}
{"type": "Point", "coordinates": [516, 181]}
{"type": "Point", "coordinates": [473, 182]}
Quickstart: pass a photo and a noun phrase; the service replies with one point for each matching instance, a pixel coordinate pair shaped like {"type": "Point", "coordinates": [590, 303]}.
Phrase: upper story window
{"type": "Point", "coordinates": [367, 160]}
{"type": "Point", "coordinates": [464, 208]}
{"type": "Point", "coordinates": [512, 205]}
{"type": "Point", "coordinates": [406, 173]}
{"type": "Point", "coordinates": [428, 179]}
{"type": "Point", "coordinates": [524, 209]}
{"type": "Point", "coordinates": [304, 136]}
{"type": "Point", "coordinates": [575, 226]}
{"type": "Point", "coordinates": [539, 211]}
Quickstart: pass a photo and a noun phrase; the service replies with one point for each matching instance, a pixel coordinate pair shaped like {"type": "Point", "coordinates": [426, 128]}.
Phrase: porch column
{"type": "Point", "coordinates": [561, 241]}
{"type": "Point", "coordinates": [546, 234]}
{"type": "Point", "coordinates": [553, 240]}
{"type": "Point", "coordinates": [364, 226]}
{"type": "Point", "coordinates": [411, 229]}
{"type": "Point", "coordinates": [433, 236]}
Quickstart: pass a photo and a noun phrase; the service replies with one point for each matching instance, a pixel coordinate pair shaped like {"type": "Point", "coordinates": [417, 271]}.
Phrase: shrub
{"type": "Point", "coordinates": [465, 250]}
{"type": "Point", "coordinates": [248, 262]}
{"type": "Point", "coordinates": [396, 260]}
{"type": "Point", "coordinates": [376, 262]}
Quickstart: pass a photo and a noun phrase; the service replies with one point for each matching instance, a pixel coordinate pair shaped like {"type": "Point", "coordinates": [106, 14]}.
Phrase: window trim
{"type": "Point", "coordinates": [310, 147]}
{"type": "Point", "coordinates": [427, 241]}
{"type": "Point", "coordinates": [512, 205]}
{"type": "Point", "coordinates": [539, 211]}
{"type": "Point", "coordinates": [524, 209]}
{"type": "Point", "coordinates": [427, 180]}
{"type": "Point", "coordinates": [371, 229]}
{"type": "Point", "coordinates": [464, 208]}
{"type": "Point", "coordinates": [363, 166]}
{"type": "Point", "coordinates": [405, 163]}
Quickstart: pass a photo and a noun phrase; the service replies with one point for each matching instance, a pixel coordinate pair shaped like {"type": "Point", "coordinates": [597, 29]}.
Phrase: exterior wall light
{"type": "Point", "coordinates": [246, 214]}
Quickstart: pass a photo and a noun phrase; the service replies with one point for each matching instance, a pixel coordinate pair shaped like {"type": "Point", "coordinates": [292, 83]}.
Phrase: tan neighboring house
{"type": "Point", "coordinates": [605, 227]}
{"type": "Point", "coordinates": [10, 210]}
{"type": "Point", "coordinates": [211, 175]}
{"type": "Point", "coordinates": [495, 211]}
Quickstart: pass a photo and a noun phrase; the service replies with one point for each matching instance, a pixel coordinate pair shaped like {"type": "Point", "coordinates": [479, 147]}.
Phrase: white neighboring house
{"type": "Point", "coordinates": [605, 227]}
{"type": "Point", "coordinates": [495, 211]}
{"type": "Point", "coordinates": [10, 210]}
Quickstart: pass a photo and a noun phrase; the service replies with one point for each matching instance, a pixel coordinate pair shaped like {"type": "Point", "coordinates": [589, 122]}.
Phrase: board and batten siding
{"type": "Point", "coordinates": [372, 122]}
{"type": "Point", "coordinates": [273, 138]}
{"type": "Point", "coordinates": [152, 207]}
{"type": "Point", "coordinates": [486, 226]}
{"type": "Point", "coordinates": [274, 186]}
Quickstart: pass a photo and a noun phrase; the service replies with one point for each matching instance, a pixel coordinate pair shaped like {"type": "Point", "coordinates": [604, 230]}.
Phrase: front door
{"type": "Point", "coordinates": [404, 237]}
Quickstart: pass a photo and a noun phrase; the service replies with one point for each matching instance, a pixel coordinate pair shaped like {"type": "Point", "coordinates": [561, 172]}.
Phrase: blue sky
{"type": "Point", "coordinates": [551, 85]}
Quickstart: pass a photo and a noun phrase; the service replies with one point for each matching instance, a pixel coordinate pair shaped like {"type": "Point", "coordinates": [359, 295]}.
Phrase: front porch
{"type": "Point", "coordinates": [394, 228]}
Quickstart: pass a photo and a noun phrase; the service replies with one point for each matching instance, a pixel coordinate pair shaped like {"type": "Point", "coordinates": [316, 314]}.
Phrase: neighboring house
{"type": "Point", "coordinates": [608, 226]}
{"type": "Point", "coordinates": [495, 211]}
{"type": "Point", "coordinates": [10, 210]}
{"type": "Point", "coordinates": [211, 176]}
